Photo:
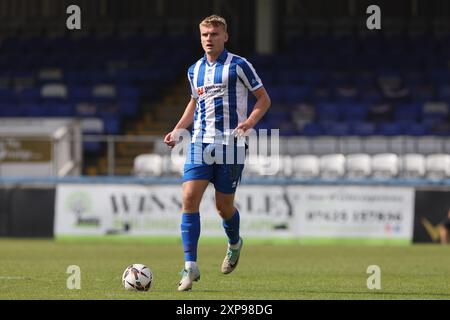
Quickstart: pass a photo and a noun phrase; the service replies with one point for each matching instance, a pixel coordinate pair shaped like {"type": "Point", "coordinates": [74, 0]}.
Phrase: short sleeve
{"type": "Point", "coordinates": [248, 75]}
{"type": "Point", "coordinates": [190, 75]}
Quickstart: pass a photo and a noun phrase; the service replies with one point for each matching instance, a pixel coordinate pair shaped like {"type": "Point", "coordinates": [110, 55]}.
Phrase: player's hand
{"type": "Point", "coordinates": [168, 139]}
{"type": "Point", "coordinates": [242, 129]}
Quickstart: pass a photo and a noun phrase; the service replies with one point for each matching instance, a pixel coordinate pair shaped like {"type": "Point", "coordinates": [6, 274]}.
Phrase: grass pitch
{"type": "Point", "coordinates": [36, 269]}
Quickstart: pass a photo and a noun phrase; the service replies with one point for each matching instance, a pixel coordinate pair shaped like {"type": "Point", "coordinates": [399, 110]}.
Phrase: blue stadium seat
{"type": "Point", "coordinates": [346, 93]}
{"type": "Point", "coordinates": [416, 129]}
{"type": "Point", "coordinates": [335, 128]}
{"type": "Point", "coordinates": [276, 94]}
{"type": "Point", "coordinates": [362, 128]}
{"type": "Point", "coordinates": [327, 112]}
{"type": "Point", "coordinates": [353, 112]}
{"type": "Point", "coordinates": [112, 124]}
{"type": "Point", "coordinates": [7, 95]}
{"type": "Point", "coordinates": [11, 110]}
{"type": "Point", "coordinates": [296, 93]}
{"type": "Point", "coordinates": [62, 109]}
{"type": "Point", "coordinates": [312, 129]}
{"type": "Point", "coordinates": [34, 109]}
{"type": "Point", "coordinates": [443, 91]}
{"type": "Point", "coordinates": [29, 95]}
{"type": "Point", "coordinates": [80, 93]}
{"type": "Point", "coordinates": [390, 129]}
{"type": "Point", "coordinates": [407, 112]}
{"type": "Point", "coordinates": [288, 76]}
{"type": "Point", "coordinates": [128, 108]}
{"type": "Point", "coordinates": [127, 93]}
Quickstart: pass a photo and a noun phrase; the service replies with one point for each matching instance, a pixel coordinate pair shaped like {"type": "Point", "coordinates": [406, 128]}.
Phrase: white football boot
{"type": "Point", "coordinates": [188, 276]}
{"type": "Point", "coordinates": [232, 258]}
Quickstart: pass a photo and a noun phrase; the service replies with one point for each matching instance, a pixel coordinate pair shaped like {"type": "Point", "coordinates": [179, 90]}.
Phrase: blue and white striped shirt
{"type": "Point", "coordinates": [221, 92]}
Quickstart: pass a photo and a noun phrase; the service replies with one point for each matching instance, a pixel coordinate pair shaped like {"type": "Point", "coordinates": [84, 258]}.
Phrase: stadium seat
{"type": "Point", "coordinates": [148, 165]}
{"type": "Point", "coordinates": [437, 166]}
{"type": "Point", "coordinates": [29, 95]}
{"type": "Point", "coordinates": [6, 95]}
{"type": "Point", "coordinates": [390, 129]}
{"type": "Point", "coordinates": [376, 144]}
{"type": "Point", "coordinates": [415, 129]}
{"type": "Point", "coordinates": [353, 112]}
{"type": "Point", "coordinates": [80, 93]}
{"type": "Point", "coordinates": [327, 112]}
{"type": "Point", "coordinates": [435, 111]}
{"type": "Point", "coordinates": [312, 129]}
{"type": "Point", "coordinates": [385, 165]}
{"type": "Point", "coordinates": [305, 166]}
{"type": "Point", "coordinates": [270, 165]}
{"type": "Point", "coordinates": [252, 167]}
{"type": "Point", "coordinates": [352, 144]}
{"type": "Point", "coordinates": [332, 165]}
{"type": "Point", "coordinates": [106, 91]}
{"type": "Point", "coordinates": [263, 166]}
{"type": "Point", "coordinates": [362, 128]}
{"type": "Point", "coordinates": [413, 165]}
{"type": "Point", "coordinates": [335, 128]}
{"type": "Point", "coordinates": [285, 166]}
{"type": "Point", "coordinates": [174, 164]}
{"type": "Point", "coordinates": [396, 145]}
{"type": "Point", "coordinates": [54, 90]}
{"type": "Point", "coordinates": [112, 123]}
{"type": "Point", "coordinates": [324, 145]}
{"type": "Point", "coordinates": [428, 145]}
{"type": "Point", "coordinates": [50, 75]}
{"type": "Point", "coordinates": [297, 145]}
{"type": "Point", "coordinates": [358, 165]}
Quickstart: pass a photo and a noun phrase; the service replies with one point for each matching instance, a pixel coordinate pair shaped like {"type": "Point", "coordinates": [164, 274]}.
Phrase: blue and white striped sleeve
{"type": "Point", "coordinates": [248, 75]}
{"type": "Point", "coordinates": [190, 75]}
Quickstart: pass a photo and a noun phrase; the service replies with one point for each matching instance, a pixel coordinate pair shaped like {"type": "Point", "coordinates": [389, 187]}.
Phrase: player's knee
{"type": "Point", "coordinates": [225, 210]}
{"type": "Point", "coordinates": [191, 202]}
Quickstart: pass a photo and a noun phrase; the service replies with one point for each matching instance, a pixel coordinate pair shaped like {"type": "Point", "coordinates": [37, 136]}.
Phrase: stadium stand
{"type": "Point", "coordinates": [113, 84]}
{"type": "Point", "coordinates": [354, 100]}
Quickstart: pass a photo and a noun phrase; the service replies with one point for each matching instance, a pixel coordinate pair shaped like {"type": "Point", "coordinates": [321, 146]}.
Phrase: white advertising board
{"type": "Point", "coordinates": [83, 209]}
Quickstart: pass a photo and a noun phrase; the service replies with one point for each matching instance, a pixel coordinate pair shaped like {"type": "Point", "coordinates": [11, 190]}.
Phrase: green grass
{"type": "Point", "coordinates": [284, 269]}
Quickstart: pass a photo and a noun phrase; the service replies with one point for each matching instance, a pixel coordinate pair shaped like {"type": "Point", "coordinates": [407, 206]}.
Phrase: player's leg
{"type": "Point", "coordinates": [190, 230]}
{"type": "Point", "coordinates": [444, 233]}
{"type": "Point", "coordinates": [226, 178]}
{"type": "Point", "coordinates": [190, 221]}
{"type": "Point", "coordinates": [196, 177]}
{"type": "Point", "coordinates": [231, 224]}
{"type": "Point", "coordinates": [229, 214]}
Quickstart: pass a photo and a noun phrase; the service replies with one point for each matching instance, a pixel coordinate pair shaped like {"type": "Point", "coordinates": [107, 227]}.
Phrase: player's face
{"type": "Point", "coordinates": [213, 39]}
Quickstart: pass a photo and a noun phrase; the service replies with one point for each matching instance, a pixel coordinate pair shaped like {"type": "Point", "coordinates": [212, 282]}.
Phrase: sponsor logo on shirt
{"type": "Point", "coordinates": [211, 90]}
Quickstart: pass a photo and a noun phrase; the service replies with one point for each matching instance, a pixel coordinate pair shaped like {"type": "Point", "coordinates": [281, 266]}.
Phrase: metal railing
{"type": "Point", "coordinates": [111, 141]}
{"type": "Point", "coordinates": [63, 143]}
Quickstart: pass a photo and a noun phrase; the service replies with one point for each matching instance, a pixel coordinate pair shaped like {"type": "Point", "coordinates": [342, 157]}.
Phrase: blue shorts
{"type": "Point", "coordinates": [220, 164]}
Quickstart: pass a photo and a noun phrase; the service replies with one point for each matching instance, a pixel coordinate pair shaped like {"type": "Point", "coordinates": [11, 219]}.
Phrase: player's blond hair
{"type": "Point", "coordinates": [215, 21]}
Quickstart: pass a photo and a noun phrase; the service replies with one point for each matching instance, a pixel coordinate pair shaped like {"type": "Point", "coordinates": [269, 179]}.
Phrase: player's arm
{"type": "Point", "coordinates": [185, 121]}
{"type": "Point", "coordinates": [261, 106]}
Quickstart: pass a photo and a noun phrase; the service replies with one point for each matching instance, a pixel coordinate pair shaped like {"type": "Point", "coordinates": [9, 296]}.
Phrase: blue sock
{"type": "Point", "coordinates": [231, 227]}
{"type": "Point", "coordinates": [190, 232]}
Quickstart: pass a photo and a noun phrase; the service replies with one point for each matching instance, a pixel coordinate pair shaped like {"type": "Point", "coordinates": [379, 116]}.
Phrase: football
{"type": "Point", "coordinates": [137, 277]}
